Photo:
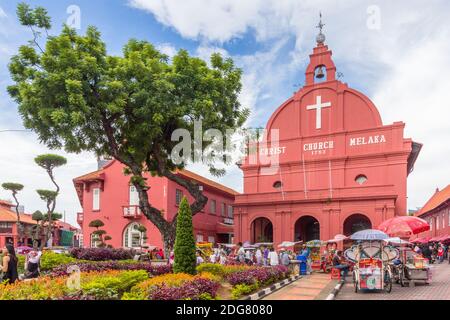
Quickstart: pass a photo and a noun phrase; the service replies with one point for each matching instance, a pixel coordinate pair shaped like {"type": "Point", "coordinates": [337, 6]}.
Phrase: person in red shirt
{"type": "Point", "coordinates": [440, 253]}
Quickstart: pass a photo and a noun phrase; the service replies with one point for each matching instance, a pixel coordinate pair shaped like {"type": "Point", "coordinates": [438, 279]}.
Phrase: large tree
{"type": "Point", "coordinates": [15, 188]}
{"type": "Point", "coordinates": [76, 96]}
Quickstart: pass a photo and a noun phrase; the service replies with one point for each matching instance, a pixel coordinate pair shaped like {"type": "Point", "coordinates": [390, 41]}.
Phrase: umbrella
{"type": "Point", "coordinates": [422, 240]}
{"type": "Point", "coordinates": [262, 244]}
{"type": "Point", "coordinates": [287, 244]}
{"type": "Point", "coordinates": [404, 226]}
{"type": "Point", "coordinates": [337, 238]}
{"type": "Point", "coordinates": [369, 234]}
{"type": "Point", "coordinates": [397, 241]}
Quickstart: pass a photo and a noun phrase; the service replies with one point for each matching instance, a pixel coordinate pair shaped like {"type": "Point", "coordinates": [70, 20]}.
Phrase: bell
{"type": "Point", "coordinates": [320, 73]}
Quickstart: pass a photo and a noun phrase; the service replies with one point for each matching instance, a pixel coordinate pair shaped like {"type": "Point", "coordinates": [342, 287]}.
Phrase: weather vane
{"type": "Point", "coordinates": [320, 37]}
{"type": "Point", "coordinates": [320, 25]}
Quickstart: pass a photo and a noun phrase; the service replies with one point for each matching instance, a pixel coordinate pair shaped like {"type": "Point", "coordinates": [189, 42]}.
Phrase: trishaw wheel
{"type": "Point", "coordinates": [388, 283]}
{"type": "Point", "coordinates": [402, 278]}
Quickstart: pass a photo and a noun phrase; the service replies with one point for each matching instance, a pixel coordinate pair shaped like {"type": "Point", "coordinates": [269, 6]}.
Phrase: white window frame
{"type": "Point", "coordinates": [134, 196]}
{"type": "Point", "coordinates": [230, 211]}
{"type": "Point", "coordinates": [223, 209]}
{"type": "Point", "coordinates": [96, 199]}
{"type": "Point", "coordinates": [199, 238]}
{"type": "Point", "coordinates": [213, 205]}
{"type": "Point", "coordinates": [448, 217]}
{"type": "Point", "coordinates": [178, 192]}
{"type": "Point", "coordinates": [443, 221]}
{"type": "Point", "coordinates": [127, 239]}
{"type": "Point", "coordinates": [211, 239]}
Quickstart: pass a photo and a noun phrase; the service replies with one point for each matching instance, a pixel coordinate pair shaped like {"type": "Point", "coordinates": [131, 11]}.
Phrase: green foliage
{"type": "Point", "coordinates": [112, 287]}
{"type": "Point", "coordinates": [50, 161]}
{"type": "Point", "coordinates": [74, 95]}
{"type": "Point", "coordinates": [11, 186]}
{"type": "Point", "coordinates": [96, 224]}
{"type": "Point", "coordinates": [185, 258]}
{"type": "Point", "coordinates": [141, 228]}
{"type": "Point", "coordinates": [47, 195]}
{"type": "Point", "coordinates": [37, 216]}
{"type": "Point", "coordinates": [37, 17]}
{"type": "Point", "coordinates": [99, 232]}
{"type": "Point", "coordinates": [213, 268]}
{"type": "Point", "coordinates": [50, 260]}
{"type": "Point", "coordinates": [242, 289]}
{"type": "Point", "coordinates": [55, 216]}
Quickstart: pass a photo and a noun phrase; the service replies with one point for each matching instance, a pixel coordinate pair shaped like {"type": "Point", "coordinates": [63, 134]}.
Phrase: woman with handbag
{"type": "Point", "coordinates": [9, 264]}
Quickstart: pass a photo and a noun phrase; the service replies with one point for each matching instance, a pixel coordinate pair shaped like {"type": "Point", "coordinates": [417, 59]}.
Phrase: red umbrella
{"type": "Point", "coordinates": [404, 226]}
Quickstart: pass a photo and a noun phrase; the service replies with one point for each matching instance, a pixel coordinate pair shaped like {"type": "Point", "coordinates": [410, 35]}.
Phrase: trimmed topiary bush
{"type": "Point", "coordinates": [185, 259]}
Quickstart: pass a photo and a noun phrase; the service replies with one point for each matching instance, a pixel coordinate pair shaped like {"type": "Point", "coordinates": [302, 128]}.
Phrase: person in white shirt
{"type": "Point", "coordinates": [273, 257]}
{"type": "Point", "coordinates": [200, 260]}
{"type": "Point", "coordinates": [258, 256]}
{"type": "Point", "coordinates": [223, 259]}
{"type": "Point", "coordinates": [32, 264]}
{"type": "Point", "coordinates": [240, 253]}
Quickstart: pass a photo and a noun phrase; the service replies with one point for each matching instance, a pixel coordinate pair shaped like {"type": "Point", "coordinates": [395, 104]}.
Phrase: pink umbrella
{"type": "Point", "coordinates": [404, 226]}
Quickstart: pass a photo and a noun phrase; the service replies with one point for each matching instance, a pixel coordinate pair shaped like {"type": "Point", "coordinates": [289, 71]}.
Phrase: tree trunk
{"type": "Point", "coordinates": [20, 229]}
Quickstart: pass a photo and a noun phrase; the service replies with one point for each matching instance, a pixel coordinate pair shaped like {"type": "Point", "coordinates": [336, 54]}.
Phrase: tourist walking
{"type": "Point", "coordinates": [273, 257]}
{"type": "Point", "coordinates": [9, 265]}
{"type": "Point", "coordinates": [285, 259]}
{"type": "Point", "coordinates": [440, 254]}
{"type": "Point", "coordinates": [259, 256]}
{"type": "Point", "coordinates": [240, 253]}
{"type": "Point", "coordinates": [266, 256]}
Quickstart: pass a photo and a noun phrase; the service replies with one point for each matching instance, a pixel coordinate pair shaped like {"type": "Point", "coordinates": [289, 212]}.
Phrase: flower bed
{"type": "Point", "coordinates": [104, 285]}
{"type": "Point", "coordinates": [101, 254]}
{"type": "Point", "coordinates": [112, 265]}
{"type": "Point", "coordinates": [178, 286]}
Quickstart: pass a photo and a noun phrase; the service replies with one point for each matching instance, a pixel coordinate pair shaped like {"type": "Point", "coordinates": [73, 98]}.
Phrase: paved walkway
{"type": "Point", "coordinates": [438, 289]}
{"type": "Point", "coordinates": [313, 287]}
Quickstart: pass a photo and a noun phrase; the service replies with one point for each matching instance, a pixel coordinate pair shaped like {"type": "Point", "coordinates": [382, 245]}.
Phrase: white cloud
{"type": "Point", "coordinates": [167, 49]}
{"type": "Point", "coordinates": [17, 165]}
{"type": "Point", "coordinates": [3, 13]}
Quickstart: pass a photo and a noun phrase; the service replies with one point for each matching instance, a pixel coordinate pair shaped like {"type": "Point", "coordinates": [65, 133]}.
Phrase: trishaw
{"type": "Point", "coordinates": [371, 257]}
{"type": "Point", "coordinates": [331, 247]}
{"type": "Point", "coordinates": [411, 268]}
{"type": "Point", "coordinates": [314, 253]}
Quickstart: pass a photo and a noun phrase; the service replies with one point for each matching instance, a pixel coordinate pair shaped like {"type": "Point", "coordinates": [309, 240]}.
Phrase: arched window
{"type": "Point", "coordinates": [361, 179]}
{"type": "Point", "coordinates": [277, 184]}
{"type": "Point", "coordinates": [94, 240]}
{"type": "Point", "coordinates": [320, 74]}
{"type": "Point", "coordinates": [132, 237]}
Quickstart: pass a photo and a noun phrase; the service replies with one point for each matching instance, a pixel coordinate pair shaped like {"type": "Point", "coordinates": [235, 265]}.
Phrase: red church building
{"type": "Point", "coordinates": [339, 168]}
{"type": "Point", "coordinates": [107, 195]}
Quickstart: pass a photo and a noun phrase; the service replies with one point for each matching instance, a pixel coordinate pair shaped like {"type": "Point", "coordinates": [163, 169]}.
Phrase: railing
{"type": "Point", "coordinates": [80, 216]}
{"type": "Point", "coordinates": [131, 211]}
{"type": "Point", "coordinates": [228, 221]}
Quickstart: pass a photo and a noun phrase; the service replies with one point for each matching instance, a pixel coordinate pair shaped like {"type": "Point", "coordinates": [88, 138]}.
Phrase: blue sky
{"type": "Point", "coordinates": [391, 51]}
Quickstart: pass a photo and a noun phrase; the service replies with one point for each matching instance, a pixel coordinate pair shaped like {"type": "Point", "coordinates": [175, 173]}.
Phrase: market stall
{"type": "Point", "coordinates": [314, 247]}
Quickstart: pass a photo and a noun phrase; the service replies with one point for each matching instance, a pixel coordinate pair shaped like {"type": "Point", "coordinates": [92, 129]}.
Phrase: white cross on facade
{"type": "Point", "coordinates": [318, 107]}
